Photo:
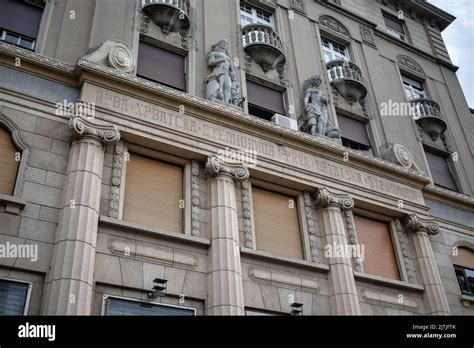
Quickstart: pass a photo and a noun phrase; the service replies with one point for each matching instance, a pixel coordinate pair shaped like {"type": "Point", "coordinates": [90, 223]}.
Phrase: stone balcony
{"type": "Point", "coordinates": [347, 78]}
{"type": "Point", "coordinates": [263, 45]}
{"type": "Point", "coordinates": [169, 15]}
{"type": "Point", "coordinates": [427, 115]}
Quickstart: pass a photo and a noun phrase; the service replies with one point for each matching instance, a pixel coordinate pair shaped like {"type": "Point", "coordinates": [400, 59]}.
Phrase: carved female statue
{"type": "Point", "coordinates": [222, 84]}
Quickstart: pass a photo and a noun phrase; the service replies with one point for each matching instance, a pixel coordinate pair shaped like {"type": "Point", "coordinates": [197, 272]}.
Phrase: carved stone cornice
{"type": "Point", "coordinates": [81, 127]}
{"type": "Point", "coordinates": [215, 167]}
{"type": "Point", "coordinates": [325, 198]}
{"type": "Point", "coordinates": [414, 224]}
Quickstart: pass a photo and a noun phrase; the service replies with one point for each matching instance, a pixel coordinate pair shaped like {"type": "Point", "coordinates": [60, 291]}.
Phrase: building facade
{"type": "Point", "coordinates": [225, 157]}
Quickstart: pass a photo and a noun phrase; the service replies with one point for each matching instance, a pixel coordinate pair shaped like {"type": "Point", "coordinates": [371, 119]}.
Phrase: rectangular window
{"type": "Point", "coordinates": [153, 191]}
{"type": "Point", "coordinates": [250, 14]}
{"type": "Point", "coordinates": [264, 102]}
{"type": "Point", "coordinates": [8, 164]}
{"type": "Point", "coordinates": [379, 256]}
{"type": "Point", "coordinates": [395, 27]}
{"type": "Point", "coordinates": [440, 171]}
{"type": "Point", "coordinates": [413, 88]}
{"type": "Point", "coordinates": [13, 297]}
{"type": "Point", "coordinates": [18, 32]}
{"type": "Point", "coordinates": [276, 223]}
{"type": "Point", "coordinates": [160, 65]}
{"type": "Point", "coordinates": [354, 134]}
{"type": "Point", "coordinates": [119, 306]}
{"type": "Point", "coordinates": [333, 50]}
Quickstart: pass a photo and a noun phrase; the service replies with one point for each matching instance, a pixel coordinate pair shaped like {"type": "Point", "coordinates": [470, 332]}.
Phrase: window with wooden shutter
{"type": "Point", "coordinates": [379, 256]}
{"type": "Point", "coordinates": [354, 134]}
{"type": "Point", "coordinates": [13, 297]}
{"type": "Point", "coordinates": [276, 223]}
{"type": "Point", "coordinates": [8, 163]}
{"type": "Point", "coordinates": [263, 101]}
{"type": "Point", "coordinates": [153, 190]}
{"type": "Point", "coordinates": [440, 171]}
{"type": "Point", "coordinates": [160, 65]}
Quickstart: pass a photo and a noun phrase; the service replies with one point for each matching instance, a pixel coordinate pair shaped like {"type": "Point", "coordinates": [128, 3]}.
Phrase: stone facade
{"type": "Point", "coordinates": [69, 195]}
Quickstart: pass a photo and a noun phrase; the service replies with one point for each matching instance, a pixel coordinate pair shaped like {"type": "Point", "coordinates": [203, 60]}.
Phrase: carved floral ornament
{"type": "Point", "coordinates": [81, 127]}
{"type": "Point", "coordinates": [414, 224]}
{"type": "Point", "coordinates": [215, 167]}
{"type": "Point", "coordinates": [325, 198]}
{"type": "Point", "coordinates": [115, 54]}
{"type": "Point", "coordinates": [333, 25]}
{"type": "Point", "coordinates": [409, 64]}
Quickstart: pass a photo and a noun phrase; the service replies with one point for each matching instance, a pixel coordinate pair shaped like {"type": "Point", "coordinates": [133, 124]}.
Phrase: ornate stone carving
{"type": "Point", "coordinates": [248, 63]}
{"type": "Point", "coordinates": [144, 24]}
{"type": "Point", "coordinates": [313, 238]}
{"type": "Point", "coordinates": [81, 127]}
{"type": "Point", "coordinates": [115, 54]}
{"type": "Point", "coordinates": [282, 71]}
{"type": "Point", "coordinates": [407, 259]}
{"type": "Point", "coordinates": [409, 64]}
{"type": "Point", "coordinates": [316, 121]}
{"type": "Point", "coordinates": [216, 167]}
{"type": "Point", "coordinates": [325, 198]}
{"type": "Point", "coordinates": [399, 154]}
{"type": "Point", "coordinates": [413, 224]}
{"type": "Point", "coordinates": [195, 212]}
{"type": "Point", "coordinates": [367, 35]}
{"type": "Point", "coordinates": [247, 214]}
{"type": "Point", "coordinates": [222, 84]}
{"type": "Point", "coordinates": [117, 166]}
{"type": "Point", "coordinates": [170, 16]}
{"type": "Point", "coordinates": [333, 25]}
{"type": "Point", "coordinates": [348, 218]}
{"type": "Point", "coordinates": [298, 5]}
{"type": "Point", "coordinates": [184, 38]}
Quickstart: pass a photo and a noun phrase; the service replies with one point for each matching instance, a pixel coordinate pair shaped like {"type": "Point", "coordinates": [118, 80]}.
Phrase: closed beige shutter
{"type": "Point", "coordinates": [379, 257]}
{"type": "Point", "coordinates": [464, 258]}
{"type": "Point", "coordinates": [153, 190]}
{"type": "Point", "coordinates": [8, 163]}
{"type": "Point", "coordinates": [276, 224]}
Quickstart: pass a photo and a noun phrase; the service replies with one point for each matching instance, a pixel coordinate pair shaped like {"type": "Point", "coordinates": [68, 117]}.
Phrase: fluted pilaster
{"type": "Point", "coordinates": [435, 297]}
{"type": "Point", "coordinates": [70, 280]}
{"type": "Point", "coordinates": [225, 275]}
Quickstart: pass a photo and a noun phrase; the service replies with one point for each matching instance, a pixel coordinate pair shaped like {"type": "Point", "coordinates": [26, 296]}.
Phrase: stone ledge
{"type": "Point", "coordinates": [275, 277]}
{"type": "Point", "coordinates": [131, 226]}
{"type": "Point", "coordinates": [369, 278]}
{"type": "Point", "coordinates": [393, 301]}
{"type": "Point", "coordinates": [467, 301]}
{"type": "Point", "coordinates": [13, 205]}
{"type": "Point", "coordinates": [318, 267]}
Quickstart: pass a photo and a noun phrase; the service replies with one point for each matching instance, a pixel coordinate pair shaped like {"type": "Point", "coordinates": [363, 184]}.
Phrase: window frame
{"type": "Point", "coordinates": [20, 37]}
{"type": "Point", "coordinates": [28, 293]}
{"type": "Point", "coordinates": [366, 122]}
{"type": "Point", "coordinates": [105, 297]}
{"type": "Point", "coordinates": [470, 286]}
{"type": "Point", "coordinates": [453, 171]}
{"type": "Point", "coordinates": [404, 37]}
{"type": "Point", "coordinates": [408, 85]}
{"type": "Point", "coordinates": [335, 55]}
{"type": "Point", "coordinates": [254, 15]}
{"type": "Point", "coordinates": [164, 157]}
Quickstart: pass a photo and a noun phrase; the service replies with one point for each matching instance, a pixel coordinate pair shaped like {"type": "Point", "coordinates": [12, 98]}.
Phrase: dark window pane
{"type": "Point", "coordinates": [11, 38]}
{"type": "Point", "coordinates": [392, 23]}
{"type": "Point", "coordinates": [117, 306]}
{"type": "Point", "coordinates": [257, 111]}
{"type": "Point", "coordinates": [12, 297]}
{"type": "Point", "coordinates": [20, 17]}
{"type": "Point", "coordinates": [265, 98]}
{"type": "Point", "coordinates": [440, 171]}
{"type": "Point", "coordinates": [353, 130]}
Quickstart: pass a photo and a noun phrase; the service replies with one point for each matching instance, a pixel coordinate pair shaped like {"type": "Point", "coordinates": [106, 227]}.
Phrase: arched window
{"type": "Point", "coordinates": [9, 163]}
{"type": "Point", "coordinates": [463, 262]}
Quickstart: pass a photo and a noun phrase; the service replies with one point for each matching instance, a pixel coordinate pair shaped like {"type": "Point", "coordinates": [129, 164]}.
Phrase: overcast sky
{"type": "Point", "coordinates": [459, 38]}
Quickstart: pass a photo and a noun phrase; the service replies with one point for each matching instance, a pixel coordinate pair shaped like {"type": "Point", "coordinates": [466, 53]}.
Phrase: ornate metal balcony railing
{"type": "Point", "coordinates": [263, 45]}
{"type": "Point", "coordinates": [347, 78]}
{"type": "Point", "coordinates": [427, 114]}
{"type": "Point", "coordinates": [169, 15]}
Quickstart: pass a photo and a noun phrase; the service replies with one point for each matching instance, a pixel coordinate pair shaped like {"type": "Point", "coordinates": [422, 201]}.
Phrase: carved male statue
{"type": "Point", "coordinates": [222, 84]}
{"type": "Point", "coordinates": [315, 110]}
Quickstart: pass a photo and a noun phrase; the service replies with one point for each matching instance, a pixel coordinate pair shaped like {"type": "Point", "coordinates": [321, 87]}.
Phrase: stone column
{"type": "Point", "coordinates": [434, 296]}
{"type": "Point", "coordinates": [225, 275]}
{"type": "Point", "coordinates": [343, 295]}
{"type": "Point", "coordinates": [69, 283]}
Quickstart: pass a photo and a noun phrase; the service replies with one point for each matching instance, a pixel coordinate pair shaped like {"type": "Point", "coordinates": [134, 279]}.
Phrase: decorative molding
{"type": "Point", "coordinates": [195, 212]}
{"type": "Point", "coordinates": [407, 259]}
{"type": "Point", "coordinates": [363, 102]}
{"type": "Point", "coordinates": [333, 25]}
{"type": "Point", "coordinates": [144, 24]}
{"type": "Point", "coordinates": [414, 224]}
{"type": "Point", "coordinates": [449, 194]}
{"type": "Point", "coordinates": [298, 5]}
{"type": "Point", "coordinates": [81, 127]}
{"type": "Point", "coordinates": [382, 299]}
{"type": "Point", "coordinates": [13, 205]}
{"type": "Point", "coordinates": [275, 278]}
{"type": "Point", "coordinates": [349, 219]}
{"type": "Point", "coordinates": [367, 35]}
{"type": "Point", "coordinates": [184, 33]}
{"type": "Point", "coordinates": [215, 167]}
{"type": "Point", "coordinates": [409, 64]}
{"type": "Point", "coordinates": [247, 215]}
{"type": "Point", "coordinates": [282, 71]}
{"type": "Point", "coordinates": [325, 198]}
{"type": "Point", "coordinates": [117, 166]}
{"type": "Point", "coordinates": [115, 54]}
{"type": "Point", "coordinates": [399, 154]}
{"type": "Point", "coordinates": [313, 238]}
{"type": "Point", "coordinates": [247, 63]}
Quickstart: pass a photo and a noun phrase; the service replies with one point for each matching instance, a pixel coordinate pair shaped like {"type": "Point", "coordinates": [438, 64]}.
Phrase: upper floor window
{"type": "Point", "coordinates": [13, 297]}
{"type": "Point", "coordinates": [18, 32]}
{"type": "Point", "coordinates": [333, 50]}
{"type": "Point", "coordinates": [440, 170]}
{"type": "Point", "coordinates": [413, 89]}
{"type": "Point", "coordinates": [121, 306]}
{"type": "Point", "coordinates": [160, 65]}
{"type": "Point", "coordinates": [250, 14]}
{"type": "Point", "coordinates": [464, 268]}
{"type": "Point", "coordinates": [264, 102]}
{"type": "Point", "coordinates": [8, 163]}
{"type": "Point", "coordinates": [354, 134]}
{"type": "Point", "coordinates": [395, 27]}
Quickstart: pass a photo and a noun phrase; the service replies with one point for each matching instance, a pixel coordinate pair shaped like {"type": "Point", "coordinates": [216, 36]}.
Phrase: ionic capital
{"type": "Point", "coordinates": [325, 198]}
{"type": "Point", "coordinates": [237, 171]}
{"type": "Point", "coordinates": [89, 127]}
{"type": "Point", "coordinates": [413, 224]}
